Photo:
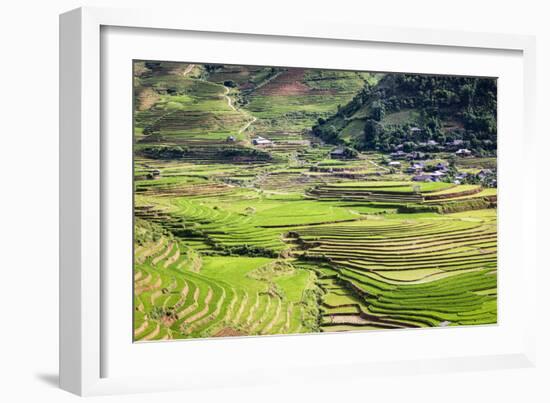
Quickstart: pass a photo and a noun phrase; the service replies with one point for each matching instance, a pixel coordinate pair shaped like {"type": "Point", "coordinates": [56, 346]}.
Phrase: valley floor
{"type": "Point", "coordinates": [218, 259]}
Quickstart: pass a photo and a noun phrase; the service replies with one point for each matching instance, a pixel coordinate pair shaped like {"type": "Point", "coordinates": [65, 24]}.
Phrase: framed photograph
{"type": "Point", "coordinates": [238, 200]}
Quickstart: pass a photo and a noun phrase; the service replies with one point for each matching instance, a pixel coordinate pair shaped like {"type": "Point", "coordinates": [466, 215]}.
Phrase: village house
{"type": "Point", "coordinates": [415, 167]}
{"type": "Point", "coordinates": [429, 176]}
{"type": "Point", "coordinates": [399, 155]}
{"type": "Point", "coordinates": [437, 174]}
{"type": "Point", "coordinates": [461, 175]}
{"type": "Point", "coordinates": [459, 178]}
{"type": "Point", "coordinates": [422, 178]}
{"type": "Point", "coordinates": [153, 174]}
{"type": "Point", "coordinates": [483, 173]}
{"type": "Point", "coordinates": [260, 141]}
{"type": "Point", "coordinates": [416, 155]}
{"type": "Point", "coordinates": [455, 143]}
{"type": "Point", "coordinates": [463, 152]}
{"type": "Point", "coordinates": [415, 130]}
{"type": "Point", "coordinates": [394, 164]}
{"type": "Point", "coordinates": [337, 154]}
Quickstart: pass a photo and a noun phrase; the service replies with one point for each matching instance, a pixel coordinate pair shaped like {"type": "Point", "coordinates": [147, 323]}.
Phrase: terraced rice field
{"type": "Point", "coordinates": [179, 294]}
{"type": "Point", "coordinates": [236, 240]}
{"type": "Point", "coordinates": [419, 272]}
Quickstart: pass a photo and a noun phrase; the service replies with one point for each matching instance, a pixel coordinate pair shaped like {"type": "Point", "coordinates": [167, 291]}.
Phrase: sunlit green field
{"type": "Point", "coordinates": [233, 240]}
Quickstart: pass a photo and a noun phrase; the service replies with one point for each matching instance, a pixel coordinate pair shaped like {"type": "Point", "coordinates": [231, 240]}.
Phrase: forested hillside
{"type": "Point", "coordinates": [418, 112]}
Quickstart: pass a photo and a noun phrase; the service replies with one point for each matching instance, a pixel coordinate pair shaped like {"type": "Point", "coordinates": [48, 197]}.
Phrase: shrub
{"type": "Point", "coordinates": [163, 152]}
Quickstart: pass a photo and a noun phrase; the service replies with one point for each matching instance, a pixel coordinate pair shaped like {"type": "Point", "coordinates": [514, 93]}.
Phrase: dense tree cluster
{"type": "Point", "coordinates": [245, 152]}
{"type": "Point", "coordinates": [163, 152]}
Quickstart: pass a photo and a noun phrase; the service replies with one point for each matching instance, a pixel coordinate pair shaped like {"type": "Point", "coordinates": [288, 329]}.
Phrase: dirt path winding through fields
{"type": "Point", "coordinates": [230, 104]}
{"type": "Point", "coordinates": [247, 125]}
{"type": "Point", "coordinates": [188, 69]}
{"type": "Point", "coordinates": [228, 98]}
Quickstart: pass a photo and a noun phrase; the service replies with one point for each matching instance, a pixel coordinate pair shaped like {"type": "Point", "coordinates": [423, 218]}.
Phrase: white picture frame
{"type": "Point", "coordinates": [84, 340]}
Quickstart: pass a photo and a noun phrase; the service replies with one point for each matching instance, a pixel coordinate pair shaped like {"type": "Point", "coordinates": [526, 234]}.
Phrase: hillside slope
{"type": "Point", "coordinates": [430, 113]}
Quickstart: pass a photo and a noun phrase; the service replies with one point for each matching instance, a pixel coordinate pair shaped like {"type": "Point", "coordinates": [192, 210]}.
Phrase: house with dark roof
{"type": "Point", "coordinates": [422, 178]}
{"type": "Point", "coordinates": [415, 130]}
{"type": "Point", "coordinates": [484, 172]}
{"type": "Point", "coordinates": [399, 155]}
{"type": "Point", "coordinates": [337, 153]}
{"type": "Point", "coordinates": [463, 152]}
{"type": "Point", "coordinates": [416, 155]}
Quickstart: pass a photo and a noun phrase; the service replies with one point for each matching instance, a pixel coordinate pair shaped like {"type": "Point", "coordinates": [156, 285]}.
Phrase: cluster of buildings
{"type": "Point", "coordinates": [414, 155]}
{"type": "Point", "coordinates": [455, 146]}
{"type": "Point", "coordinates": [485, 176]}
{"type": "Point", "coordinates": [419, 155]}
{"type": "Point", "coordinates": [436, 175]}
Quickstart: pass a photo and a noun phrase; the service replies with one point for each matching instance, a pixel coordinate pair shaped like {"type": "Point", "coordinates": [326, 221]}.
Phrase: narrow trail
{"type": "Point", "coordinates": [228, 98]}
{"type": "Point", "coordinates": [269, 79]}
{"type": "Point", "coordinates": [188, 69]}
{"type": "Point", "coordinates": [230, 104]}
{"type": "Point", "coordinates": [247, 125]}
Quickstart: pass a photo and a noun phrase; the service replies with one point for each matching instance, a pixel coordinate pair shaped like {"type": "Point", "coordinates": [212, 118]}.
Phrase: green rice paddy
{"type": "Point", "coordinates": [231, 243]}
